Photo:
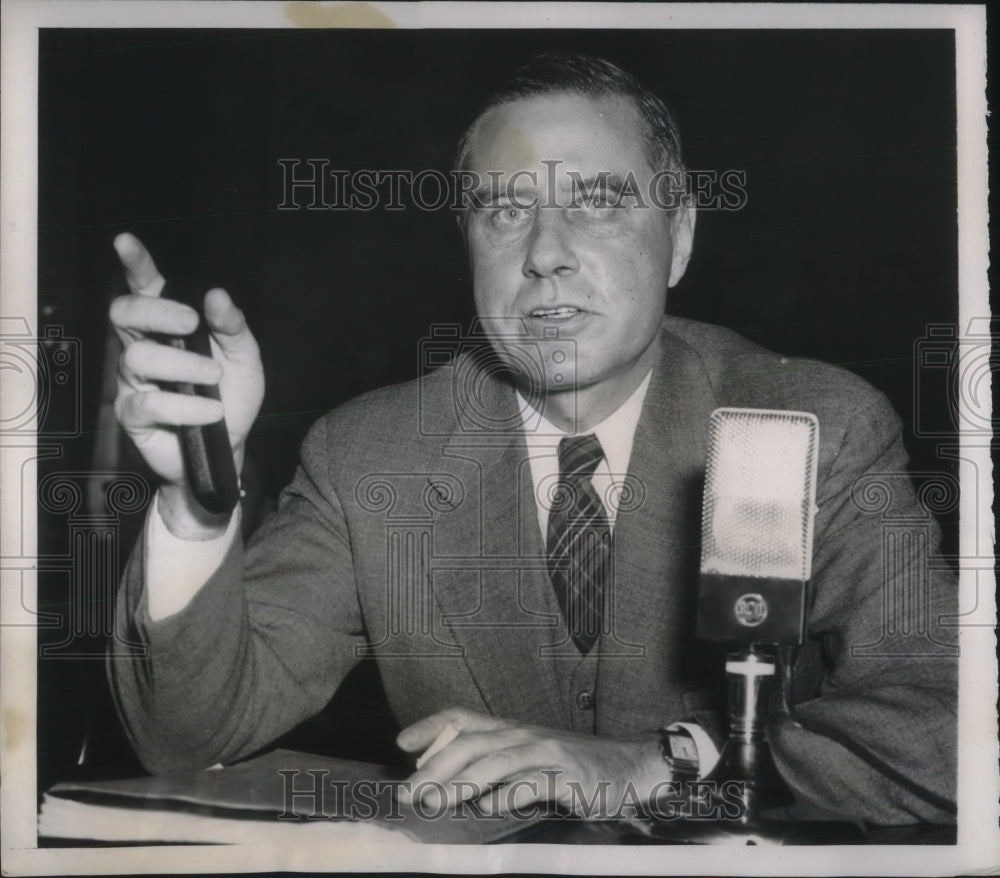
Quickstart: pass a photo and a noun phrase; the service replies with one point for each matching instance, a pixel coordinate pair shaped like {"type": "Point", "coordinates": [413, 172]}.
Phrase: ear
{"type": "Point", "coordinates": [683, 234]}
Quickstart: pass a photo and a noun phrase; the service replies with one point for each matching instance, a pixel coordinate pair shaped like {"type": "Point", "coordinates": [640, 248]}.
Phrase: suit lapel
{"type": "Point", "coordinates": [491, 583]}
{"type": "Point", "coordinates": [657, 538]}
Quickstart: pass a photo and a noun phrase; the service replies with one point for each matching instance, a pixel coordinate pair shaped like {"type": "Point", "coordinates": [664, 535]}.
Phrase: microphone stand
{"type": "Point", "coordinates": [746, 774]}
{"type": "Point", "coordinates": [746, 762]}
{"type": "Point", "coordinates": [745, 784]}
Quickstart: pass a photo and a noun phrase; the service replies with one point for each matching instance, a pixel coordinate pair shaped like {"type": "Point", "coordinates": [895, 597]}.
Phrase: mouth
{"type": "Point", "coordinates": [558, 312]}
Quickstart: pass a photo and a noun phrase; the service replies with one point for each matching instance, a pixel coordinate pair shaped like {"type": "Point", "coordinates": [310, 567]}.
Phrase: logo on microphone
{"type": "Point", "coordinates": [750, 610]}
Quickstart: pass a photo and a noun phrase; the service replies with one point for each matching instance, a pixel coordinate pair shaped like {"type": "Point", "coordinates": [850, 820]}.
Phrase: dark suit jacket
{"type": "Point", "coordinates": [410, 532]}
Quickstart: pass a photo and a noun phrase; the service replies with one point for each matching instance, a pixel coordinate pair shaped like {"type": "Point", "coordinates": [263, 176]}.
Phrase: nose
{"type": "Point", "coordinates": [550, 246]}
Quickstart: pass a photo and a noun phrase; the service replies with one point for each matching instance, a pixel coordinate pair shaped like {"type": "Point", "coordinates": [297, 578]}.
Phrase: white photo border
{"type": "Point", "coordinates": [978, 838]}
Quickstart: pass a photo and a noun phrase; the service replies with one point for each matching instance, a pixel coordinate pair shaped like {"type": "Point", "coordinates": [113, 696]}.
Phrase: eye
{"type": "Point", "coordinates": [599, 201]}
{"type": "Point", "coordinates": [509, 216]}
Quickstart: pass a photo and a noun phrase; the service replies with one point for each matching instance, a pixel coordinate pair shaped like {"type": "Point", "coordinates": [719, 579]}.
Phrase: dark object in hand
{"type": "Point", "coordinates": [208, 457]}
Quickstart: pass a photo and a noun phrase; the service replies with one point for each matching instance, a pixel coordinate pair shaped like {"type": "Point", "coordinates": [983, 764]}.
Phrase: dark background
{"type": "Point", "coordinates": [846, 249]}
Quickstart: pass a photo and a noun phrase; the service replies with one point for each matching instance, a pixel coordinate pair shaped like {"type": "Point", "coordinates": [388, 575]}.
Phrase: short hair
{"type": "Point", "coordinates": [549, 74]}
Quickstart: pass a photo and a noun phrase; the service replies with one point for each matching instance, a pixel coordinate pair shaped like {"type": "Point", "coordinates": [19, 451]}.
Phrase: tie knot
{"type": "Point", "coordinates": [580, 455]}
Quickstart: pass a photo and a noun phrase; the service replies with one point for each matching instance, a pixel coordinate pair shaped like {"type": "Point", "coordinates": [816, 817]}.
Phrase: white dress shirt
{"type": "Point", "coordinates": [615, 433]}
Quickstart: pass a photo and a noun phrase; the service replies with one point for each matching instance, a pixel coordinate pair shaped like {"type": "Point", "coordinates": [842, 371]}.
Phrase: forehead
{"type": "Point", "coordinates": [578, 131]}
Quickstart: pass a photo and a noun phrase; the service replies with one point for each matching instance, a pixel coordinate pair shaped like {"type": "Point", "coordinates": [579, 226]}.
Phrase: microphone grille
{"type": "Point", "coordinates": [760, 493]}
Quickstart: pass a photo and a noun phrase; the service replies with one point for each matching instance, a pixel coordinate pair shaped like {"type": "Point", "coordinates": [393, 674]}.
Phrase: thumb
{"type": "Point", "coordinates": [227, 323]}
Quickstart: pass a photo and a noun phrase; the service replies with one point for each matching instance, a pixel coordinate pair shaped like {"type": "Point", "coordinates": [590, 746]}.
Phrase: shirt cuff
{"type": "Point", "coordinates": [708, 755]}
{"type": "Point", "coordinates": [176, 569]}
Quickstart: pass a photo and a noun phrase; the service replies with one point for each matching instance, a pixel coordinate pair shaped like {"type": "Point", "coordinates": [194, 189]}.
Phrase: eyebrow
{"type": "Point", "coordinates": [491, 192]}
{"type": "Point", "coordinates": [611, 182]}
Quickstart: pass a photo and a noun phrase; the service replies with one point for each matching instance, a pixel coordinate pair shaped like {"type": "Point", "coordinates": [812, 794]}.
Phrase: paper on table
{"type": "Point", "coordinates": [64, 818]}
{"type": "Point", "coordinates": [330, 794]}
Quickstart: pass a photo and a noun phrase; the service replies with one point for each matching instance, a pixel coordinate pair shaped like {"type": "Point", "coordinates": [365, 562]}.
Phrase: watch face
{"type": "Point", "coordinates": [683, 747]}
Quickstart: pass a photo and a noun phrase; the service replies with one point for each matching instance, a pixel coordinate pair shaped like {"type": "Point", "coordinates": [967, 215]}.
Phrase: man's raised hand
{"type": "Point", "coordinates": [150, 413]}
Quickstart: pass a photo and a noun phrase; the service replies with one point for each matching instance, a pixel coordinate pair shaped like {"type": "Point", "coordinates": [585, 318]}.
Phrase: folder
{"type": "Point", "coordinates": [282, 796]}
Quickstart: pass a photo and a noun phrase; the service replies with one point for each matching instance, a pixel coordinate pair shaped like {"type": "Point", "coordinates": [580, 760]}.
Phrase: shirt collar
{"type": "Point", "coordinates": [615, 433]}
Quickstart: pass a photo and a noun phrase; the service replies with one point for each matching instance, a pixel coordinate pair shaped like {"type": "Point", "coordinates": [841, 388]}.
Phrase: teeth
{"type": "Point", "coordinates": [564, 311]}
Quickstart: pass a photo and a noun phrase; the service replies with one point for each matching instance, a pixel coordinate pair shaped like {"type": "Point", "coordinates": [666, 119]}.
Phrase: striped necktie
{"type": "Point", "coordinates": [579, 540]}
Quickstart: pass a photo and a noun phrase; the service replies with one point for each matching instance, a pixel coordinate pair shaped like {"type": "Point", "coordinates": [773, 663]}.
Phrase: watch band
{"type": "Point", "coordinates": [680, 752]}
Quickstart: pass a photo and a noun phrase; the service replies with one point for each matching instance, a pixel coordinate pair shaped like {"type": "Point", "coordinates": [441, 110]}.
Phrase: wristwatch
{"type": "Point", "coordinates": [680, 752]}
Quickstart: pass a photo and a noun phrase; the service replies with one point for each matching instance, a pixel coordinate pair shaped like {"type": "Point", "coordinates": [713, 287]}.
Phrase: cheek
{"type": "Point", "coordinates": [643, 246]}
{"type": "Point", "coordinates": [489, 286]}
{"type": "Point", "coordinates": [496, 272]}
{"type": "Point", "coordinates": [640, 274]}
{"type": "Point", "coordinates": [650, 273]}
{"type": "Point", "coordinates": [480, 262]}
{"type": "Point", "coordinates": [641, 305]}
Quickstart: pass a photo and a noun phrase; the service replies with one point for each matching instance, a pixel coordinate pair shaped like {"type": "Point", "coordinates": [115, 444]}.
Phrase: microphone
{"type": "Point", "coordinates": [756, 557]}
{"type": "Point", "coordinates": [757, 526]}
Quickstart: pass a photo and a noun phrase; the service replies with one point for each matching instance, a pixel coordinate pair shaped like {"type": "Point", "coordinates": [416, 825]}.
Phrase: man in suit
{"type": "Point", "coordinates": [428, 526]}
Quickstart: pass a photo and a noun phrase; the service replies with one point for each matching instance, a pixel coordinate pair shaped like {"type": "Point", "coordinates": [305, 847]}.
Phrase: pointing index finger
{"type": "Point", "coordinates": [141, 273]}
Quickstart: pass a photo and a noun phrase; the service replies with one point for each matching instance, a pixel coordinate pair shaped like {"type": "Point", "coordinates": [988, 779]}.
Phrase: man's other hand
{"type": "Point", "coordinates": [518, 765]}
{"type": "Point", "coordinates": [148, 412]}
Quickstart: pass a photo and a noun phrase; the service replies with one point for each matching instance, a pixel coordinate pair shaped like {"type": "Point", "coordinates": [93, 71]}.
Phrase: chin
{"type": "Point", "coordinates": [543, 365]}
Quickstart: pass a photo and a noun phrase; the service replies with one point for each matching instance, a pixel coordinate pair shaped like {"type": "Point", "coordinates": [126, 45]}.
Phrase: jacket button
{"type": "Point", "coordinates": [585, 699]}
